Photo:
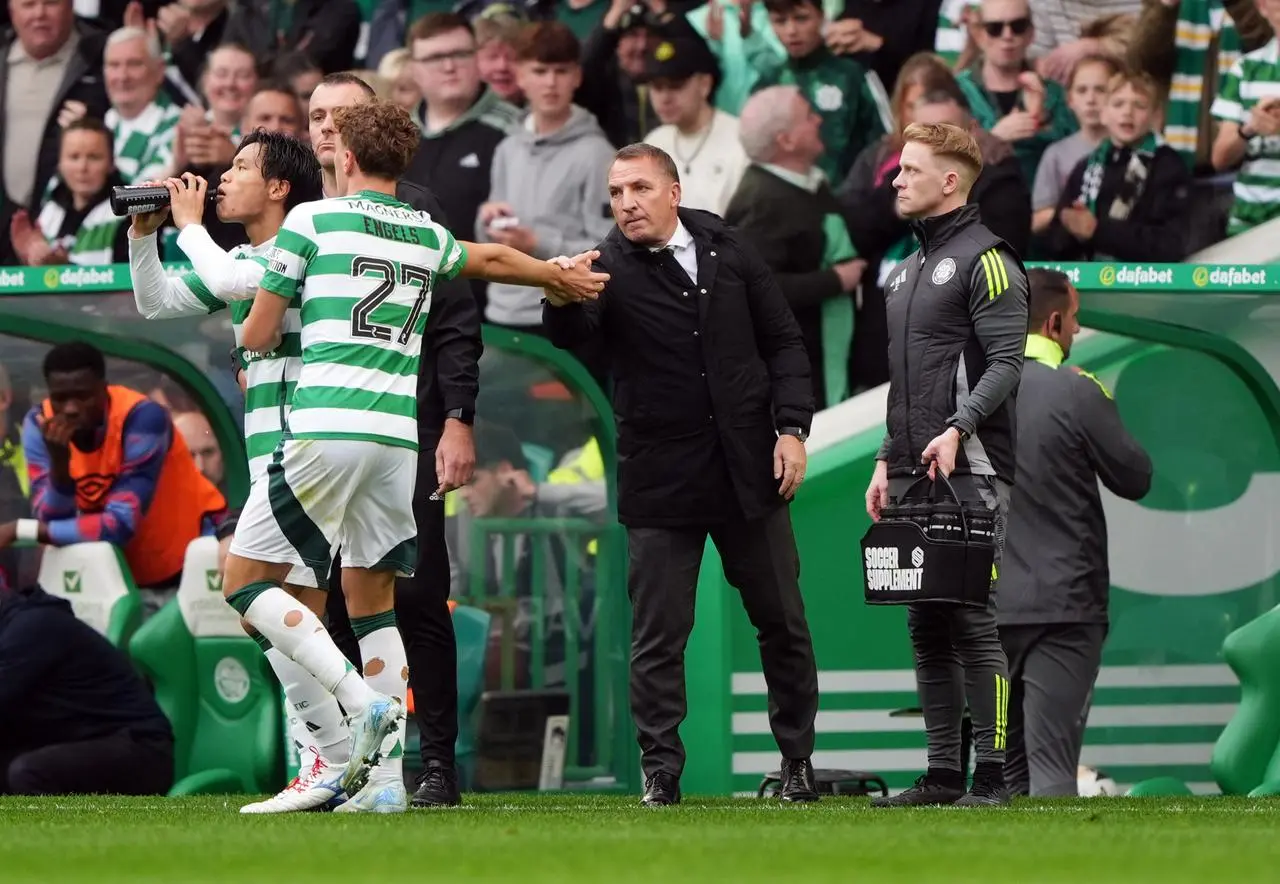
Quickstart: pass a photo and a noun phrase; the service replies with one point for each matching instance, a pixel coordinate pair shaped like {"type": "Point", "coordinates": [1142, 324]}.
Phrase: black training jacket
{"type": "Point", "coordinates": [957, 316]}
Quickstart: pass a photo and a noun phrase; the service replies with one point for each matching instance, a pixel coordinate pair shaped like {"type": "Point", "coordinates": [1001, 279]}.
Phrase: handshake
{"type": "Point", "coordinates": [578, 282]}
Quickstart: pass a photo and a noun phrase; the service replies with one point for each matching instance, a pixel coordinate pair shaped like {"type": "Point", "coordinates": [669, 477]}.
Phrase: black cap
{"type": "Point", "coordinates": [680, 58]}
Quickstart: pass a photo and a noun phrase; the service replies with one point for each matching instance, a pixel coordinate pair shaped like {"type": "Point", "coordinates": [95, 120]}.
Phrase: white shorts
{"type": "Point", "coordinates": [321, 495]}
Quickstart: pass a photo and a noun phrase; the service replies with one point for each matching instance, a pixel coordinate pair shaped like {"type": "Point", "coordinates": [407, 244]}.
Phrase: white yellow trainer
{"type": "Point", "coordinates": [314, 787]}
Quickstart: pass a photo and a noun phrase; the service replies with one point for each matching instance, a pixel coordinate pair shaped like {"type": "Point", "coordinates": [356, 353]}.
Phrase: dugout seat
{"type": "Point", "coordinates": [94, 578]}
{"type": "Point", "coordinates": [1246, 755]}
{"type": "Point", "coordinates": [215, 686]}
{"type": "Point", "coordinates": [471, 629]}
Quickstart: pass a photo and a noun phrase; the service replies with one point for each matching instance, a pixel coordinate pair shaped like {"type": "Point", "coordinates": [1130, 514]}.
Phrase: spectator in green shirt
{"type": "Point", "coordinates": [849, 98]}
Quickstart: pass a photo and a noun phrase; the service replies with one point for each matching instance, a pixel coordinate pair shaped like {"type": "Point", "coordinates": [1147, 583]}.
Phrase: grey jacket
{"type": "Point", "coordinates": [558, 186]}
{"type": "Point", "coordinates": [1069, 436]}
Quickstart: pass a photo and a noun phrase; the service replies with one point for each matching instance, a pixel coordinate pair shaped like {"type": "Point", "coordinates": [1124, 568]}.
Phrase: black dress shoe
{"type": "Point", "coordinates": [437, 786]}
{"type": "Point", "coordinates": [798, 783]}
{"type": "Point", "coordinates": [660, 790]}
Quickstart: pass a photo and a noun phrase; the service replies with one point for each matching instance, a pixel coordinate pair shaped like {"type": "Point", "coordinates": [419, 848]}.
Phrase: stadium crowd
{"type": "Point", "coordinates": [1100, 121]}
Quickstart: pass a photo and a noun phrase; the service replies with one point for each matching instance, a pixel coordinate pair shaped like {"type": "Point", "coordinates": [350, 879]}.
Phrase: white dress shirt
{"type": "Point", "coordinates": [683, 250]}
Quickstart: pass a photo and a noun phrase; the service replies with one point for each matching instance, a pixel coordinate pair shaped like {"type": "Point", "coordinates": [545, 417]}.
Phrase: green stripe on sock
{"type": "Point", "coordinates": [363, 626]}
{"type": "Point", "coordinates": [242, 598]}
{"type": "Point", "coordinates": [262, 640]}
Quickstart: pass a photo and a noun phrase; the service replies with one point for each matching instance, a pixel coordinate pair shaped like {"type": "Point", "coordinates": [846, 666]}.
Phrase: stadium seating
{"type": "Point", "coordinates": [214, 684]}
{"type": "Point", "coordinates": [1246, 757]}
{"type": "Point", "coordinates": [94, 578]}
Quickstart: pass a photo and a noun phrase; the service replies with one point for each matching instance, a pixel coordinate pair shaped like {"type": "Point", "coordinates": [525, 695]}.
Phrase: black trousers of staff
{"type": "Point", "coordinates": [760, 561]}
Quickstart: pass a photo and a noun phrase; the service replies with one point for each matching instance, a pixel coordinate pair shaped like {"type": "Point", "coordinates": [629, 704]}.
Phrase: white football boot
{"type": "Point", "coordinates": [368, 731]}
{"type": "Point", "coordinates": [318, 783]}
{"type": "Point", "coordinates": [383, 793]}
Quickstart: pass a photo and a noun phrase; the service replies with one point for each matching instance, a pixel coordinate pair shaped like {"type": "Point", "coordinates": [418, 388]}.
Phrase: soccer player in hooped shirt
{"type": "Point", "coordinates": [270, 175]}
{"type": "Point", "coordinates": [363, 265]}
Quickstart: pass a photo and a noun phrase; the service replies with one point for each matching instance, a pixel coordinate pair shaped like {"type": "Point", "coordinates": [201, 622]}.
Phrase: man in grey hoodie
{"type": "Point", "coordinates": [548, 193]}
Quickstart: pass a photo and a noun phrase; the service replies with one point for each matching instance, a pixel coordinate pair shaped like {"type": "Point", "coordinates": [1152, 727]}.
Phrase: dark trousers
{"type": "Point", "coordinates": [426, 624]}
{"type": "Point", "coordinates": [761, 562]}
{"type": "Point", "coordinates": [1052, 669]}
{"type": "Point", "coordinates": [118, 764]}
{"type": "Point", "coordinates": [958, 655]}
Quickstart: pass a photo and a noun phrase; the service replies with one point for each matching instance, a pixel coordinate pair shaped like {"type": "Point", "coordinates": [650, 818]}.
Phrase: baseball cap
{"type": "Point", "coordinates": [679, 58]}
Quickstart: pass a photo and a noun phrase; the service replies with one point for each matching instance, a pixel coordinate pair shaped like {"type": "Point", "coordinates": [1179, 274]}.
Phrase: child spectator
{"type": "Point", "coordinates": [1086, 95]}
{"type": "Point", "coordinates": [1249, 108]}
{"type": "Point", "coordinates": [548, 184]}
{"type": "Point", "coordinates": [850, 99]}
{"type": "Point", "coordinates": [1127, 200]}
{"type": "Point", "coordinates": [75, 224]}
{"type": "Point", "coordinates": [496, 38]}
{"type": "Point", "coordinates": [394, 69]}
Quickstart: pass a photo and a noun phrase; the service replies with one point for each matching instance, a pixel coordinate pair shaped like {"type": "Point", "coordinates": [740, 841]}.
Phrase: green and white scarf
{"type": "Point", "coordinates": [837, 313]}
{"type": "Point", "coordinates": [93, 243]}
{"type": "Point", "coordinates": [144, 145]}
{"type": "Point", "coordinates": [1199, 21]}
{"type": "Point", "coordinates": [1135, 176]}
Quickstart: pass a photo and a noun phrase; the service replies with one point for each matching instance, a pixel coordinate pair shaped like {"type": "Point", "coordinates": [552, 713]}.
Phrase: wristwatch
{"type": "Point", "coordinates": [964, 437]}
{"type": "Point", "coordinates": [465, 415]}
{"type": "Point", "coordinates": [1247, 136]}
{"type": "Point", "coordinates": [798, 432]}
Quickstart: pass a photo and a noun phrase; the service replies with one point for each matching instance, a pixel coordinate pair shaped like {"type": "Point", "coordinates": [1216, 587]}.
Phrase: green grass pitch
{"type": "Point", "coordinates": [528, 838]}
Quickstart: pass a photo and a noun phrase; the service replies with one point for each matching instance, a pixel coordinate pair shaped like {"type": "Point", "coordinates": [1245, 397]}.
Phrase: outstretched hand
{"type": "Point", "coordinates": [577, 281]}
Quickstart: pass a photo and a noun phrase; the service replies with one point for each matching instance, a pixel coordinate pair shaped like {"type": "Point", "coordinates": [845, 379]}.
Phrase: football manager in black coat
{"type": "Point", "coordinates": [713, 404]}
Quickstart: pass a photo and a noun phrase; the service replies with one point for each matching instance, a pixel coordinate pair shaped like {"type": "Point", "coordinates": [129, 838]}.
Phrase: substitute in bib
{"type": "Point", "coordinates": [106, 465]}
{"type": "Point", "coordinates": [957, 318]}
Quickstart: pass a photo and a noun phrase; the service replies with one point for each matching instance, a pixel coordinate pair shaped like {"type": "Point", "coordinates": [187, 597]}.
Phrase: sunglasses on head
{"type": "Point", "coordinates": [1017, 27]}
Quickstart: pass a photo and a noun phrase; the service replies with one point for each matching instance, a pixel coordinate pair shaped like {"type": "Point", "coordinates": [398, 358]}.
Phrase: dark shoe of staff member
{"type": "Point", "coordinates": [957, 317]}
{"type": "Point", "coordinates": [1055, 586]}
{"type": "Point", "coordinates": [77, 717]}
{"type": "Point", "coordinates": [798, 781]}
{"type": "Point", "coordinates": [713, 403]}
{"type": "Point", "coordinates": [988, 790]}
{"type": "Point", "coordinates": [933, 789]}
{"type": "Point", "coordinates": [661, 789]}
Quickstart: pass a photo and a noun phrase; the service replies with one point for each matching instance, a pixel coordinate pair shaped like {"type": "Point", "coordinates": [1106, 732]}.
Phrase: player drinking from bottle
{"type": "Point", "coordinates": [270, 174]}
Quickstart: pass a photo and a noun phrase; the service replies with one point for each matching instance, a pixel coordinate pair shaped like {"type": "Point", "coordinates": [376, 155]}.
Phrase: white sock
{"type": "Point", "coordinates": [299, 634]}
{"type": "Point", "coordinates": [386, 670]}
{"type": "Point", "coordinates": [315, 718]}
